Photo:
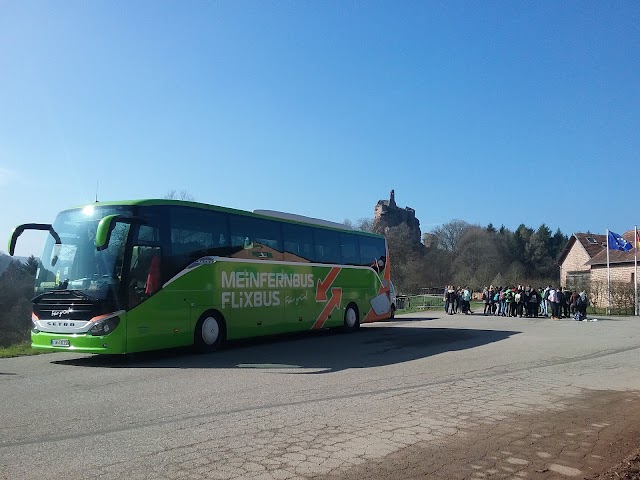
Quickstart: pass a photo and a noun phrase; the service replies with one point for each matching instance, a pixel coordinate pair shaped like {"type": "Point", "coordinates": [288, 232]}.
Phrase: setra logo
{"type": "Point", "coordinates": [61, 324]}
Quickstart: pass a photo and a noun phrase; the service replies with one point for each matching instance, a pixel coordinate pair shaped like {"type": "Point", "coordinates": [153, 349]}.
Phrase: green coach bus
{"type": "Point", "coordinates": [121, 277]}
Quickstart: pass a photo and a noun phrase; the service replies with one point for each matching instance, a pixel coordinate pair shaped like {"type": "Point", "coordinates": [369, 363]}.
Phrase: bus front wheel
{"type": "Point", "coordinates": [210, 332]}
{"type": "Point", "coordinates": [351, 320]}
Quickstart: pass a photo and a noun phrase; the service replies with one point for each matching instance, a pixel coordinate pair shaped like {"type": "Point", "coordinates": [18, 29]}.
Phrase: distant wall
{"type": "Point", "coordinates": [575, 261]}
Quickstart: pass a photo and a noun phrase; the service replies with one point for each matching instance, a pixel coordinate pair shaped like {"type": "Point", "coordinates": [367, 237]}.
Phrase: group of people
{"type": "Point", "coordinates": [457, 299]}
{"type": "Point", "coordinates": [521, 301]}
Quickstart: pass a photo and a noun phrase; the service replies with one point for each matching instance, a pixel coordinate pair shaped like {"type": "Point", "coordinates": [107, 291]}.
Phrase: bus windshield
{"type": "Point", "coordinates": [76, 264]}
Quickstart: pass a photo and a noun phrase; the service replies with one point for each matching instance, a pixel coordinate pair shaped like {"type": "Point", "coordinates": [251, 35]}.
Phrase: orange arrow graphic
{"type": "Point", "coordinates": [334, 302]}
{"type": "Point", "coordinates": [323, 285]}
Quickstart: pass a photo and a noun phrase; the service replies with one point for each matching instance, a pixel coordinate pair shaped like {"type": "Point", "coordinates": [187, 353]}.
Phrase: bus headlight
{"type": "Point", "coordinates": [104, 327]}
{"type": "Point", "coordinates": [34, 325]}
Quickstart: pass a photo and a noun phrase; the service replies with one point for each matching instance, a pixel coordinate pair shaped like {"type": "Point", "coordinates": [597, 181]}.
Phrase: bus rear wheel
{"type": "Point", "coordinates": [351, 318]}
{"type": "Point", "coordinates": [210, 333]}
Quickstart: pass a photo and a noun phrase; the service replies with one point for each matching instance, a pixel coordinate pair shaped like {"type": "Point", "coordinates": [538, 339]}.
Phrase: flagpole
{"type": "Point", "coordinates": [635, 267]}
{"type": "Point", "coordinates": [608, 278]}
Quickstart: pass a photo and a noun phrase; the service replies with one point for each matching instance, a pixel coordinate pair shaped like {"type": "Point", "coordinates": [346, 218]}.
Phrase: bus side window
{"type": "Point", "coordinates": [195, 234]}
{"type": "Point", "coordinates": [255, 238]}
{"type": "Point", "coordinates": [298, 243]}
{"type": "Point", "coordinates": [327, 246]}
{"type": "Point", "coordinates": [371, 250]}
{"type": "Point", "coordinates": [350, 249]}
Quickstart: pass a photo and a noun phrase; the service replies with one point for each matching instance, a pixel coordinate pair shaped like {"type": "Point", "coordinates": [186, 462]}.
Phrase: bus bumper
{"type": "Point", "coordinates": [115, 342]}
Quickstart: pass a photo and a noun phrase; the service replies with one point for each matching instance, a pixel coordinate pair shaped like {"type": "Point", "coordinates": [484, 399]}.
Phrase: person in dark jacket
{"type": "Point", "coordinates": [534, 302]}
{"type": "Point", "coordinates": [559, 302]}
{"type": "Point", "coordinates": [581, 306]}
{"type": "Point", "coordinates": [452, 299]}
{"type": "Point", "coordinates": [526, 299]}
{"type": "Point", "coordinates": [572, 302]}
{"type": "Point", "coordinates": [487, 295]}
{"type": "Point", "coordinates": [566, 305]}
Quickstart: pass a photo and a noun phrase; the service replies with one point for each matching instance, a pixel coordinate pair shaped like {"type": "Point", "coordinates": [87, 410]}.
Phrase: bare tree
{"type": "Point", "coordinates": [476, 261]}
{"type": "Point", "coordinates": [363, 224]}
{"type": "Point", "coordinates": [449, 234]}
{"type": "Point", "coordinates": [183, 195]}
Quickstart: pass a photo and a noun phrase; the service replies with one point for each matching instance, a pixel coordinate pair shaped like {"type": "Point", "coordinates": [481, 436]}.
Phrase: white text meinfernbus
{"type": "Point", "coordinates": [120, 277]}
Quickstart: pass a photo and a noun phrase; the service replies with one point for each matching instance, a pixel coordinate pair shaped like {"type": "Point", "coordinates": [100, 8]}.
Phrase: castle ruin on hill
{"type": "Point", "coordinates": [387, 214]}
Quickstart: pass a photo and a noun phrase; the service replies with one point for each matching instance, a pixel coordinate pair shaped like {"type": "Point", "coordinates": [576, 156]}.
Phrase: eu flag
{"type": "Point", "coordinates": [616, 242]}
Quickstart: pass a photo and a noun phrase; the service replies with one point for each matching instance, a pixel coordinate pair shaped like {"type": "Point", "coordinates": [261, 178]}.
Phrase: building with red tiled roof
{"type": "Point", "coordinates": [621, 264]}
{"type": "Point", "coordinates": [583, 264]}
{"type": "Point", "coordinates": [575, 269]}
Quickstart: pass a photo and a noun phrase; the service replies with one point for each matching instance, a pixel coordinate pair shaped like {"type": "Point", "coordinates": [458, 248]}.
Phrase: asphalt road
{"type": "Point", "coordinates": [425, 396]}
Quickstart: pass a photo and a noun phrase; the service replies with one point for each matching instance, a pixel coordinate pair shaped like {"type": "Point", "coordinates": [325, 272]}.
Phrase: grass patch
{"type": "Point", "coordinates": [19, 350]}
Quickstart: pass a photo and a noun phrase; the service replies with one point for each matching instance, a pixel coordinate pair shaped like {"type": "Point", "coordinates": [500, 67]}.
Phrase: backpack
{"type": "Point", "coordinates": [496, 297]}
{"type": "Point", "coordinates": [518, 296]}
{"type": "Point", "coordinates": [582, 301]}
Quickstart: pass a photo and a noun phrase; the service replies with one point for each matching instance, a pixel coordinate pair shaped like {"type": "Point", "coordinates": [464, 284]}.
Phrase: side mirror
{"type": "Point", "coordinates": [108, 223]}
{"type": "Point", "coordinates": [30, 226]}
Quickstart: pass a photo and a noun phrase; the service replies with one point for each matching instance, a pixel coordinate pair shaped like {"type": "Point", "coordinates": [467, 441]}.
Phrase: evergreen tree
{"type": "Point", "coordinates": [31, 265]}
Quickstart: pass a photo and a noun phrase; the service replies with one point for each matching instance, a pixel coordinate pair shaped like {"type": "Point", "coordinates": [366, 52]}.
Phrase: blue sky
{"type": "Point", "coordinates": [502, 112]}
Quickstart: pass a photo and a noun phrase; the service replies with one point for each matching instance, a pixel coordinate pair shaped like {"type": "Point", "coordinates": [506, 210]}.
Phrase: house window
{"type": "Point", "coordinates": [592, 240]}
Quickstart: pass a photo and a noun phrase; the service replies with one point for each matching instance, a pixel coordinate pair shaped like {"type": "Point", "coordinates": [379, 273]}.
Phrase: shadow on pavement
{"type": "Point", "coordinates": [323, 352]}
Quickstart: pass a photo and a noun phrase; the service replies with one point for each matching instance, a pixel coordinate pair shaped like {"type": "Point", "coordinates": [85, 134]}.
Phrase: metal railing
{"type": "Point", "coordinates": [419, 302]}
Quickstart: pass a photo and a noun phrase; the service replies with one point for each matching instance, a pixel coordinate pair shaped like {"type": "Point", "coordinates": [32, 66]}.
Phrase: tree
{"type": "Point", "coordinates": [449, 234]}
{"type": "Point", "coordinates": [436, 267]}
{"type": "Point", "coordinates": [16, 290]}
{"type": "Point", "coordinates": [400, 245]}
{"type": "Point", "coordinates": [476, 261]}
{"type": "Point", "coordinates": [31, 265]}
{"type": "Point", "coordinates": [406, 258]}
{"type": "Point", "coordinates": [498, 280]}
{"type": "Point", "coordinates": [363, 224]}
{"type": "Point", "coordinates": [183, 195]}
{"type": "Point", "coordinates": [516, 274]}
{"type": "Point", "coordinates": [558, 242]}
{"type": "Point", "coordinates": [544, 234]}
{"type": "Point", "coordinates": [537, 256]}
{"type": "Point", "coordinates": [519, 241]}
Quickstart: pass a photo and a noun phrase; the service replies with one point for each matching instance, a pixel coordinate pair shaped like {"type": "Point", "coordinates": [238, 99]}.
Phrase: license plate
{"type": "Point", "coordinates": [60, 343]}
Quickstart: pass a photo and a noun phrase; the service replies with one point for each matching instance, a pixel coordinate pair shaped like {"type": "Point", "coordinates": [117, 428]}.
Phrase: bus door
{"type": "Point", "coordinates": [158, 318]}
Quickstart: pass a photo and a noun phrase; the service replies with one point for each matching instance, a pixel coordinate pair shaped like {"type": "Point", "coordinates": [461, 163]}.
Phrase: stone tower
{"type": "Point", "coordinates": [387, 214]}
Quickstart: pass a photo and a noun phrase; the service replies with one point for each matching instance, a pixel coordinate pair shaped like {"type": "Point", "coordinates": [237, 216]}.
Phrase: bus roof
{"type": "Point", "coordinates": [267, 214]}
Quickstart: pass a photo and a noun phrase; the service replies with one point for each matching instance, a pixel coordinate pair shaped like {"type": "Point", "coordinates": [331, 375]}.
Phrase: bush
{"type": "Point", "coordinates": [16, 290]}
